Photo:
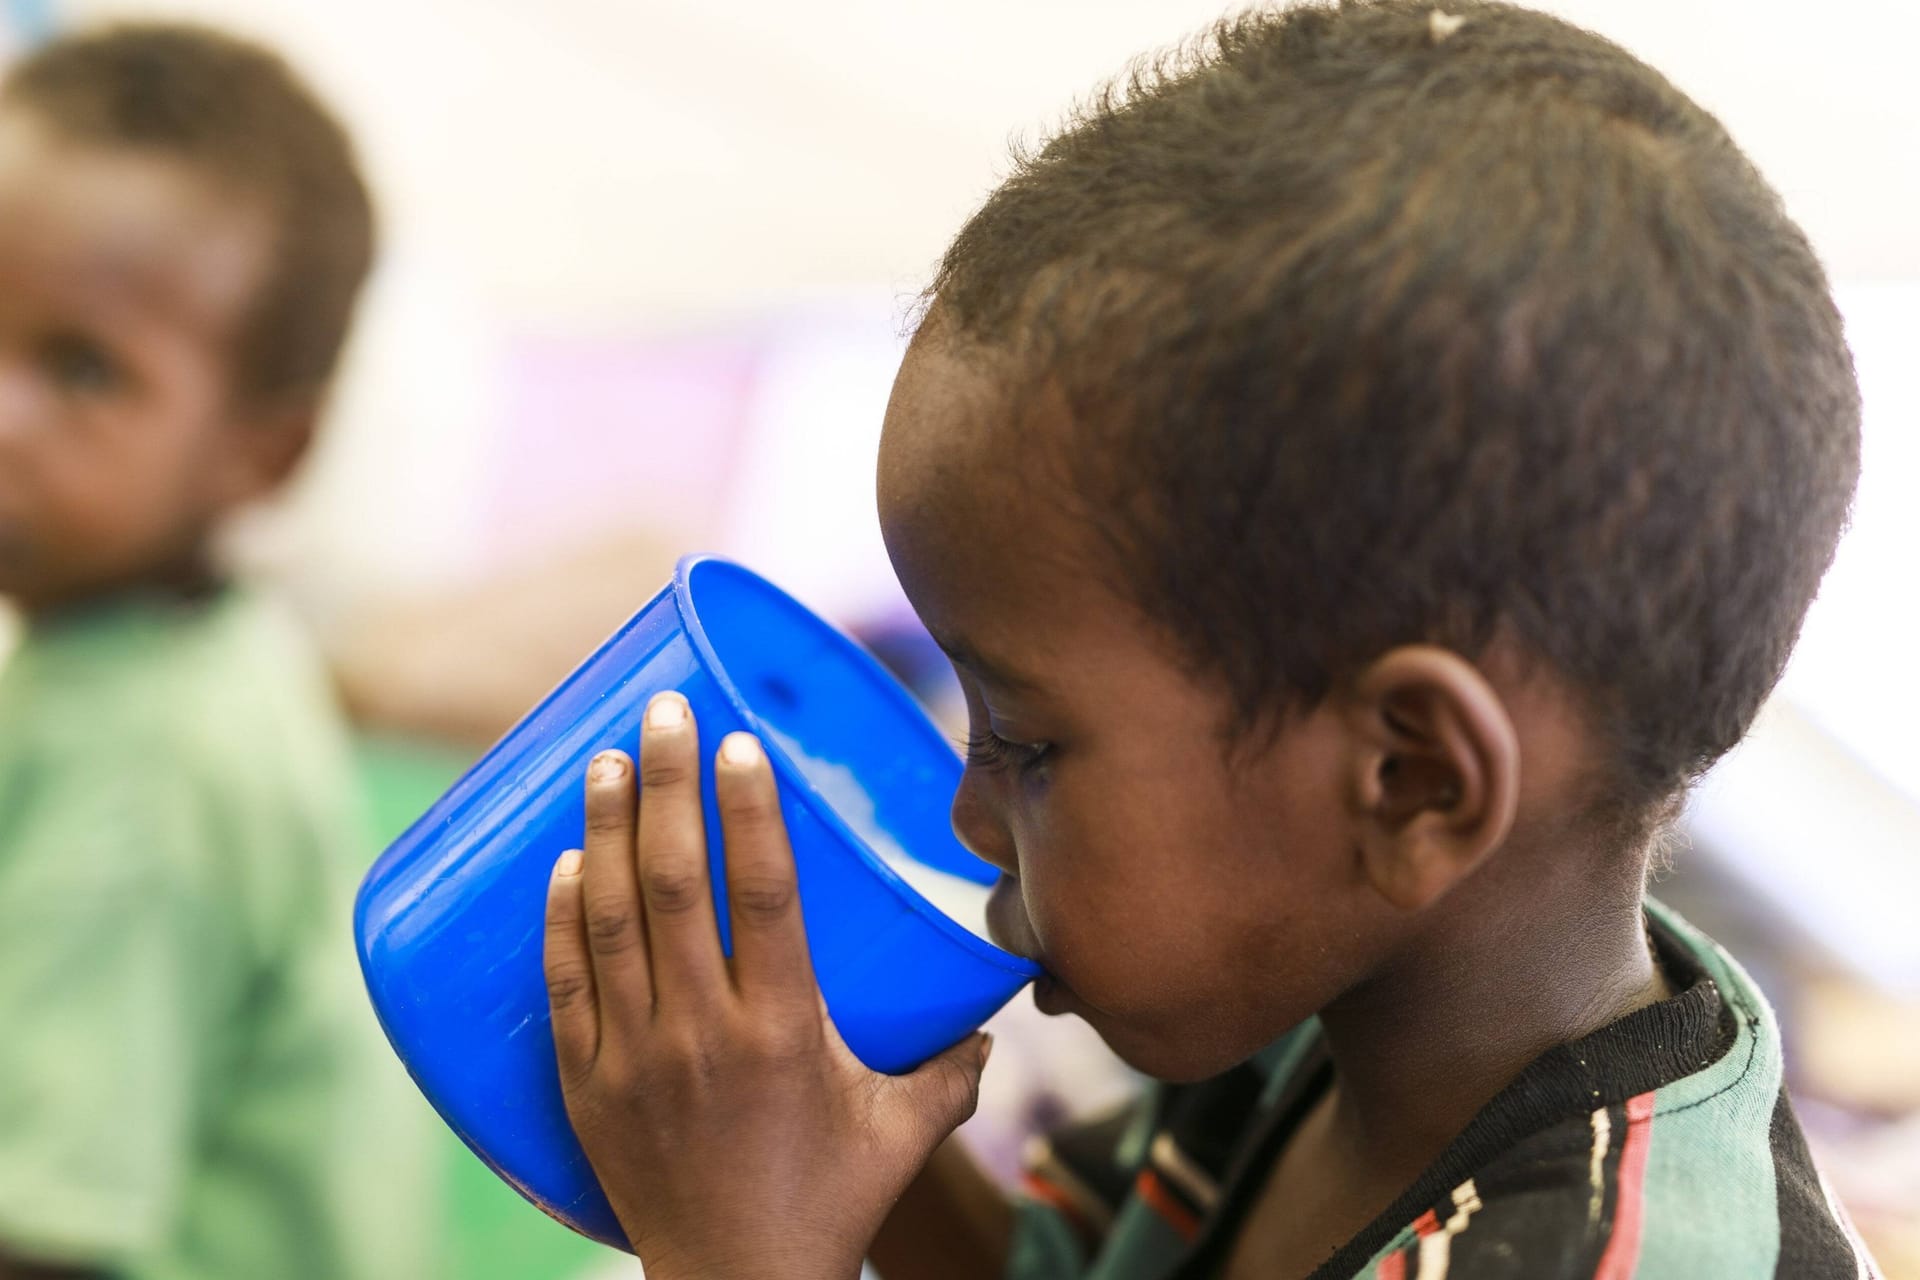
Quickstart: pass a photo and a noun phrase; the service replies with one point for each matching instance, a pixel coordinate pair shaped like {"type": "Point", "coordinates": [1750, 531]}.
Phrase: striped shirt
{"type": "Point", "coordinates": [1662, 1146]}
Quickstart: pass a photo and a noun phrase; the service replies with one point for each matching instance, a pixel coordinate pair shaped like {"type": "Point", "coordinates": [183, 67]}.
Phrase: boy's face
{"type": "Point", "coordinates": [123, 279]}
{"type": "Point", "coordinates": [1190, 902]}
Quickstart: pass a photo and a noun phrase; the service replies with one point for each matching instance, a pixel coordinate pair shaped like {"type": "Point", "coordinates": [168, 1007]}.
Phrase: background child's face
{"type": "Point", "coordinates": [123, 278]}
{"type": "Point", "coordinates": [1190, 903]}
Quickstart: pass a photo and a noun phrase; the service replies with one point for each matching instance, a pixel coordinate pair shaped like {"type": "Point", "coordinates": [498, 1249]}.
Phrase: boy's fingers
{"type": "Point", "coordinates": [569, 968]}
{"type": "Point", "coordinates": [770, 962]}
{"type": "Point", "coordinates": [941, 1093]}
{"type": "Point", "coordinates": [615, 926]}
{"type": "Point", "coordinates": [683, 937]}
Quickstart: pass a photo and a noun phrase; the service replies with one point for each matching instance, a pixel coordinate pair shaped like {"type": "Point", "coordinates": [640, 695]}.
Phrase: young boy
{"type": "Point", "coordinates": [1362, 470]}
{"type": "Point", "coordinates": [190, 1086]}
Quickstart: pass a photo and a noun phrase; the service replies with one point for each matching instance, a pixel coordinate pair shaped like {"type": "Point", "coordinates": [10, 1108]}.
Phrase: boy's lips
{"type": "Point", "coordinates": [1010, 930]}
{"type": "Point", "coordinates": [1051, 997]}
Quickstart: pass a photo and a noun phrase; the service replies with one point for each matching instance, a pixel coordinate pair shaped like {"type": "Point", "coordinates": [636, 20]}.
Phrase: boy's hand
{"type": "Point", "coordinates": [732, 1129]}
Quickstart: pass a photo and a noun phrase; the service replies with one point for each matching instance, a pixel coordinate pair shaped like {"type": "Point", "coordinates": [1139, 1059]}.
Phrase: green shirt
{"type": "Point", "coordinates": [192, 1086]}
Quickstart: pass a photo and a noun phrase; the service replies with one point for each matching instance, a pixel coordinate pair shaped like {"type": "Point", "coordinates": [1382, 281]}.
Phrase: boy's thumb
{"type": "Point", "coordinates": [944, 1090]}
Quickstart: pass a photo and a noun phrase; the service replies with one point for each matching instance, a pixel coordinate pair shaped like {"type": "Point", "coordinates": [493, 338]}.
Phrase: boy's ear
{"type": "Point", "coordinates": [1434, 772]}
{"type": "Point", "coordinates": [261, 450]}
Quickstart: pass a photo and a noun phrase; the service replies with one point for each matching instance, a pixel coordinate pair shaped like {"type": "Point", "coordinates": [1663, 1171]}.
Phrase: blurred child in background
{"type": "Point", "coordinates": [191, 1085]}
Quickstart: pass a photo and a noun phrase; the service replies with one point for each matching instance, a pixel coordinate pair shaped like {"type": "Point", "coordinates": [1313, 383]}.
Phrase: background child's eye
{"type": "Point", "coordinates": [80, 365]}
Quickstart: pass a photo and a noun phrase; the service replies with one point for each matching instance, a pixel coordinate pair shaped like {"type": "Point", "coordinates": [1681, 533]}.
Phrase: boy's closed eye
{"type": "Point", "coordinates": [987, 749]}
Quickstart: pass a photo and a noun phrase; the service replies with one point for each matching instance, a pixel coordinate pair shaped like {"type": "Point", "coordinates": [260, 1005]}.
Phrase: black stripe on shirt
{"type": "Point", "coordinates": [1812, 1245]}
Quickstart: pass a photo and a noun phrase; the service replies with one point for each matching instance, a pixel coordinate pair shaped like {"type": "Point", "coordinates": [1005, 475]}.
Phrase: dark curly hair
{"type": "Point", "coordinates": [1385, 322]}
{"type": "Point", "coordinates": [237, 114]}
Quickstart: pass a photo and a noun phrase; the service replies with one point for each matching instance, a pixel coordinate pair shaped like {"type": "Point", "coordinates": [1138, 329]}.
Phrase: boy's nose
{"type": "Point", "coordinates": [979, 828]}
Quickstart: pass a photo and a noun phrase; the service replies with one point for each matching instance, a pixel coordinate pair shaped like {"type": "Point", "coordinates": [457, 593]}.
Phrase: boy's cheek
{"type": "Point", "coordinates": [1112, 956]}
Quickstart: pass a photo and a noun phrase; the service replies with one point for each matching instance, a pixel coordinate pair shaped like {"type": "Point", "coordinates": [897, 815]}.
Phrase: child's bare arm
{"type": "Point", "coordinates": [952, 1223]}
{"type": "Point", "coordinates": [732, 1129]}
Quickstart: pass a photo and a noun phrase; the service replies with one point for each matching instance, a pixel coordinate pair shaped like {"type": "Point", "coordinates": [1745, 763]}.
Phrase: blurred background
{"type": "Point", "coordinates": [645, 273]}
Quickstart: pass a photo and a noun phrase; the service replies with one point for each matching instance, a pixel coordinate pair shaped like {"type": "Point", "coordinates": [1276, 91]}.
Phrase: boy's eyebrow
{"type": "Point", "coordinates": [965, 655]}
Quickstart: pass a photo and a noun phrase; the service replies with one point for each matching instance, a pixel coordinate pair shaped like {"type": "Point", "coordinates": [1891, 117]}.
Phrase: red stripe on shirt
{"type": "Point", "coordinates": [1426, 1224]}
{"type": "Point", "coordinates": [1392, 1267]}
{"type": "Point", "coordinates": [1038, 1188]}
{"type": "Point", "coordinates": [1623, 1246]}
{"type": "Point", "coordinates": [1155, 1195]}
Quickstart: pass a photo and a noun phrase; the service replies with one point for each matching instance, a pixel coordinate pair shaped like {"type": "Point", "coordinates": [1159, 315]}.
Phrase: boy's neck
{"type": "Point", "coordinates": [1519, 959]}
{"type": "Point", "coordinates": [1504, 974]}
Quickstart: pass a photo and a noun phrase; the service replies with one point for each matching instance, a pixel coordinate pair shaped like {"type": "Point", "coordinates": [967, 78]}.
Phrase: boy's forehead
{"type": "Point", "coordinates": [978, 521]}
{"type": "Point", "coordinates": [115, 225]}
{"type": "Point", "coordinates": [959, 434]}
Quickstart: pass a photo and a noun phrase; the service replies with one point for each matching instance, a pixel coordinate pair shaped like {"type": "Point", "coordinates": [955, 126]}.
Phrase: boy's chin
{"type": "Point", "coordinates": [1169, 1059]}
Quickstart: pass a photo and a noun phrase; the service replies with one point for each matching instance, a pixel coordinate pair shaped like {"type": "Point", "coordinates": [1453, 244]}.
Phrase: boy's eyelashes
{"type": "Point", "coordinates": [81, 366]}
{"type": "Point", "coordinates": [988, 750]}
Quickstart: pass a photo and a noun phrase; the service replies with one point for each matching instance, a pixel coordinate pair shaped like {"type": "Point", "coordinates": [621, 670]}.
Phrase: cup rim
{"type": "Point", "coordinates": [790, 774]}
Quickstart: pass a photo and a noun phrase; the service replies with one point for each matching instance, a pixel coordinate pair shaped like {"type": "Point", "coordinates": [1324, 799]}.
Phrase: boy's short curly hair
{"type": "Point", "coordinates": [239, 115]}
{"type": "Point", "coordinates": [1380, 326]}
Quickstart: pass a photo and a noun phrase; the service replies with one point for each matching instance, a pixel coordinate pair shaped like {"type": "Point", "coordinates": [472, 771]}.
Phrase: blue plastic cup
{"type": "Point", "coordinates": [450, 920]}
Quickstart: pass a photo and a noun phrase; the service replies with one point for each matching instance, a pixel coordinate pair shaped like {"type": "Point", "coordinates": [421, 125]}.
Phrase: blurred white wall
{"type": "Point", "coordinates": [583, 165]}
{"type": "Point", "coordinates": [667, 158]}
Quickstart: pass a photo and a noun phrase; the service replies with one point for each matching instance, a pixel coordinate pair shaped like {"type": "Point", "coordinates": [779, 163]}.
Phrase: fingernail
{"type": "Point", "coordinates": [666, 711]}
{"type": "Point", "coordinates": [608, 766]}
{"type": "Point", "coordinates": [740, 749]}
{"type": "Point", "coordinates": [569, 864]}
{"type": "Point", "coordinates": [986, 1048]}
